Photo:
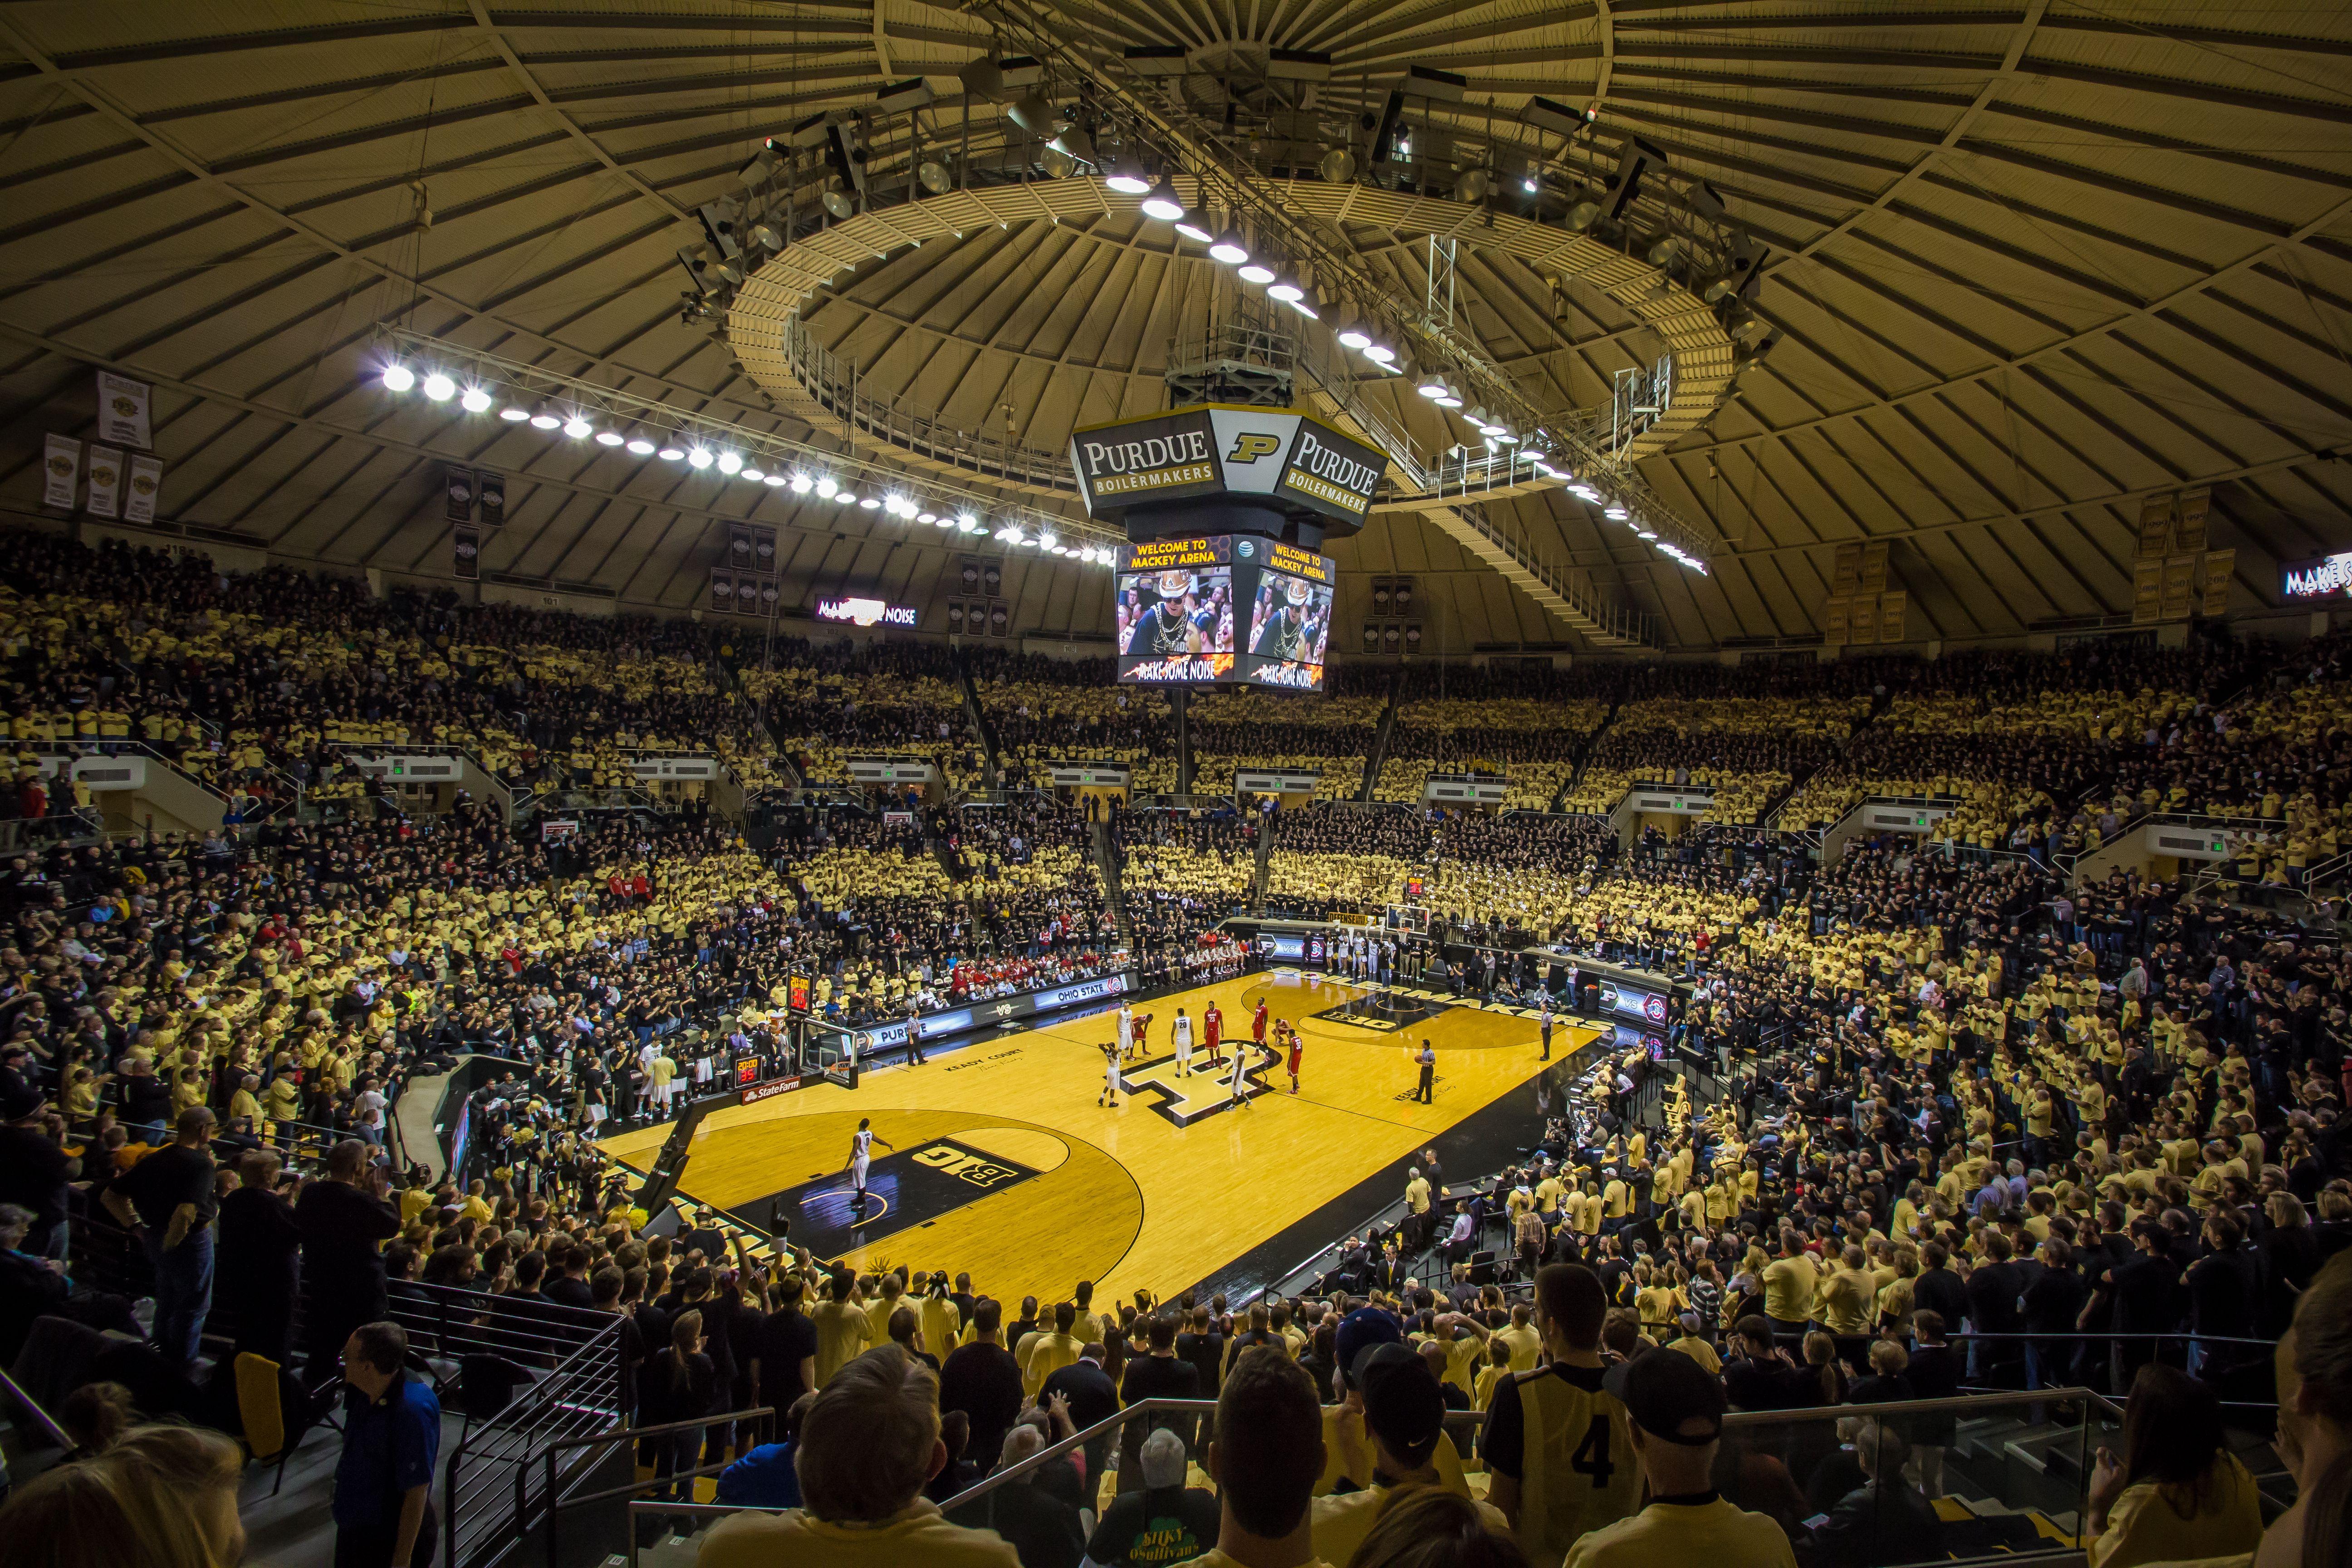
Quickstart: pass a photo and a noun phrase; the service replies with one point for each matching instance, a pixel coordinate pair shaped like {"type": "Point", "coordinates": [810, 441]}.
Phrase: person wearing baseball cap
{"type": "Point", "coordinates": [1677, 1409]}
{"type": "Point", "coordinates": [1404, 1426]}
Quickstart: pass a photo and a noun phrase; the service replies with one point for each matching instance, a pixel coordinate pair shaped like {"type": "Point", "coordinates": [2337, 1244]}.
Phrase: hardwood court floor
{"type": "Point", "coordinates": [1066, 1190]}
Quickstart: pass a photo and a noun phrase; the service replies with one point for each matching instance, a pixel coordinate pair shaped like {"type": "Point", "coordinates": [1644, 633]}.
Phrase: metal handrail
{"type": "Point", "coordinates": [55, 1433]}
{"type": "Point", "coordinates": [554, 1502]}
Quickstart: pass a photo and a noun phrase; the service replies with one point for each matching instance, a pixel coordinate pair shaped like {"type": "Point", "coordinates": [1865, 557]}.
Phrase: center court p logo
{"type": "Point", "coordinates": [966, 1166]}
{"type": "Point", "coordinates": [1252, 445]}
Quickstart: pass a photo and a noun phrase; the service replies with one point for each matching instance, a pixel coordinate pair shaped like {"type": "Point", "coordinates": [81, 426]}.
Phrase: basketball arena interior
{"type": "Point", "coordinates": [1061, 783]}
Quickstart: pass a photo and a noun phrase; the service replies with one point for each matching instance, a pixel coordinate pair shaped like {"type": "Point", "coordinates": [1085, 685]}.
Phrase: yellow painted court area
{"type": "Point", "coordinates": [1128, 1197]}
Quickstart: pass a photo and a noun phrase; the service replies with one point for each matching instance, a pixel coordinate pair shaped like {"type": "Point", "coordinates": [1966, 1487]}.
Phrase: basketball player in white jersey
{"type": "Point", "coordinates": [861, 1155]}
{"type": "Point", "coordinates": [1239, 1087]}
{"type": "Point", "coordinates": [1182, 1031]}
{"type": "Point", "coordinates": [1109, 1094]}
{"type": "Point", "coordinates": [1126, 1030]}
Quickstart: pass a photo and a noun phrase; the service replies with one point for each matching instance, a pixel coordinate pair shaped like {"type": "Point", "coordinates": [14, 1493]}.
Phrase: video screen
{"type": "Point", "coordinates": [1176, 624]}
{"type": "Point", "coordinates": [1290, 632]}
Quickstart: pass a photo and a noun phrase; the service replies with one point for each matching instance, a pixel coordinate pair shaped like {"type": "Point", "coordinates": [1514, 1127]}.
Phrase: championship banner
{"type": "Point", "coordinates": [146, 484]}
{"type": "Point", "coordinates": [61, 472]}
{"type": "Point", "coordinates": [2179, 587]}
{"type": "Point", "coordinates": [2188, 537]}
{"type": "Point", "coordinates": [722, 589]}
{"type": "Point", "coordinates": [1874, 570]}
{"type": "Point", "coordinates": [458, 488]}
{"type": "Point", "coordinates": [105, 481]}
{"type": "Point", "coordinates": [2147, 591]}
{"type": "Point", "coordinates": [2155, 526]}
{"type": "Point", "coordinates": [1893, 617]}
{"type": "Point", "coordinates": [1862, 621]}
{"type": "Point", "coordinates": [1846, 574]}
{"type": "Point", "coordinates": [492, 490]}
{"type": "Point", "coordinates": [467, 543]}
{"type": "Point", "coordinates": [2220, 565]}
{"type": "Point", "coordinates": [1837, 611]}
{"type": "Point", "coordinates": [123, 410]}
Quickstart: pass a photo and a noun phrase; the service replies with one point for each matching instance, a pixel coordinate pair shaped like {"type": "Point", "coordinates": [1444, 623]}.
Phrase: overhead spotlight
{"type": "Point", "coordinates": [1355, 338]}
{"type": "Point", "coordinates": [1480, 421]}
{"type": "Point", "coordinates": [545, 419]}
{"type": "Point", "coordinates": [1664, 252]}
{"type": "Point", "coordinates": [934, 176]}
{"type": "Point", "coordinates": [1451, 395]}
{"type": "Point", "coordinates": [1059, 165]}
{"type": "Point", "coordinates": [1431, 384]}
{"type": "Point", "coordinates": [967, 523]}
{"type": "Point", "coordinates": [730, 463]}
{"type": "Point", "coordinates": [1126, 177]}
{"type": "Point", "coordinates": [1285, 288]}
{"type": "Point", "coordinates": [845, 498]}
{"type": "Point", "coordinates": [609, 438]}
{"type": "Point", "coordinates": [578, 428]}
{"type": "Point", "coordinates": [1715, 291]}
{"type": "Point", "coordinates": [1229, 250]}
{"type": "Point", "coordinates": [926, 517]}
{"type": "Point", "coordinates": [699, 458]}
{"type": "Point", "coordinates": [640, 448]}
{"type": "Point", "coordinates": [824, 488]}
{"type": "Point", "coordinates": [1303, 308]}
{"type": "Point", "coordinates": [670, 454]}
{"type": "Point", "coordinates": [772, 479]}
{"type": "Point", "coordinates": [766, 234]}
{"type": "Point", "coordinates": [513, 414]}
{"type": "Point", "coordinates": [1339, 166]}
{"type": "Point", "coordinates": [1037, 116]}
{"type": "Point", "coordinates": [1162, 203]}
{"type": "Point", "coordinates": [1256, 271]}
{"type": "Point", "coordinates": [871, 502]}
{"type": "Point", "coordinates": [1579, 216]}
{"type": "Point", "coordinates": [1531, 184]}
{"type": "Point", "coordinates": [439, 387]}
{"type": "Point", "coordinates": [398, 378]}
{"type": "Point", "coordinates": [839, 203]}
{"type": "Point", "coordinates": [1503, 433]}
{"type": "Point", "coordinates": [1473, 185]}
{"type": "Point", "coordinates": [802, 484]}
{"type": "Point", "coordinates": [1380, 354]}
{"type": "Point", "coordinates": [475, 400]}
{"type": "Point", "coordinates": [1615, 513]}
{"type": "Point", "coordinates": [1195, 226]}
{"type": "Point", "coordinates": [1645, 533]}
{"type": "Point", "coordinates": [751, 473]}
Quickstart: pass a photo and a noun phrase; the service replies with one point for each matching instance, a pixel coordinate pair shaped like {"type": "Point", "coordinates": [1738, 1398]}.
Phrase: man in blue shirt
{"type": "Point", "coordinates": [392, 1438]}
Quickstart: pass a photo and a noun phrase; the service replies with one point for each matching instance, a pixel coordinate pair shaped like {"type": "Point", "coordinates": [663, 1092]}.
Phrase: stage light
{"type": "Point", "coordinates": [545, 419]}
{"type": "Point", "coordinates": [1162, 202]}
{"type": "Point", "coordinates": [1645, 533]}
{"type": "Point", "coordinates": [1193, 228]}
{"type": "Point", "coordinates": [1530, 184]}
{"type": "Point", "coordinates": [1355, 338]}
{"type": "Point", "coordinates": [967, 523]}
{"type": "Point", "coordinates": [1579, 216]}
{"type": "Point", "coordinates": [1450, 396]}
{"type": "Point", "coordinates": [398, 378]}
{"type": "Point", "coordinates": [640, 448]}
{"type": "Point", "coordinates": [1045, 540]}
{"type": "Point", "coordinates": [609, 438]}
{"type": "Point", "coordinates": [926, 517]}
{"type": "Point", "coordinates": [1615, 513]}
{"type": "Point", "coordinates": [777, 479]}
{"type": "Point", "coordinates": [671, 454]}
{"type": "Point", "coordinates": [1303, 308]}
{"type": "Point", "coordinates": [514, 416]}
{"type": "Point", "coordinates": [1256, 272]}
{"type": "Point", "coordinates": [845, 498]}
{"type": "Point", "coordinates": [730, 463]}
{"type": "Point", "coordinates": [1228, 249]}
{"type": "Point", "coordinates": [475, 401]}
{"type": "Point", "coordinates": [1286, 288]}
{"type": "Point", "coordinates": [439, 387]}
{"type": "Point", "coordinates": [699, 458]}
{"type": "Point", "coordinates": [802, 484]}
{"type": "Point", "coordinates": [752, 473]}
{"type": "Point", "coordinates": [1663, 253]}
{"type": "Point", "coordinates": [1380, 354]}
{"type": "Point", "coordinates": [870, 502]}
{"type": "Point", "coordinates": [1338, 166]}
{"type": "Point", "coordinates": [1431, 384]}
{"type": "Point", "coordinates": [578, 428]}
{"type": "Point", "coordinates": [1126, 177]}
{"type": "Point", "coordinates": [824, 488]}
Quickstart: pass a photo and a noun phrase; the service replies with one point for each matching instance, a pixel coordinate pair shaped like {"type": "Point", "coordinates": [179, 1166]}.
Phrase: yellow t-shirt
{"type": "Point", "coordinates": [1714, 1531]}
{"type": "Point", "coordinates": [917, 1535]}
{"type": "Point", "coordinates": [2144, 1527]}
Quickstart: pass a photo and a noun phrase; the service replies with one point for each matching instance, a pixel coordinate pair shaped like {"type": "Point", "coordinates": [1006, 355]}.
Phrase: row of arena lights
{"type": "Point", "coordinates": [671, 448]}
{"type": "Point", "coordinates": [1616, 511]}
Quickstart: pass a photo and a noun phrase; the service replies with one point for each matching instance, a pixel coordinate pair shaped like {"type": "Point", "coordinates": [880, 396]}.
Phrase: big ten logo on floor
{"type": "Point", "coordinates": [966, 1166]}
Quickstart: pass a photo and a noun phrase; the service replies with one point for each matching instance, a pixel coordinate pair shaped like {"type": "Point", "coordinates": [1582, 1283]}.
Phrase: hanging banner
{"type": "Point", "coordinates": [467, 543]}
{"type": "Point", "coordinates": [105, 481]}
{"type": "Point", "coordinates": [1893, 614]}
{"type": "Point", "coordinates": [123, 410]}
{"type": "Point", "coordinates": [460, 483]}
{"type": "Point", "coordinates": [1862, 621]}
{"type": "Point", "coordinates": [1874, 570]}
{"type": "Point", "coordinates": [1835, 612]}
{"type": "Point", "coordinates": [146, 484]}
{"type": "Point", "coordinates": [2188, 537]}
{"type": "Point", "coordinates": [2219, 564]}
{"type": "Point", "coordinates": [1846, 576]}
{"type": "Point", "coordinates": [2155, 526]}
{"type": "Point", "coordinates": [2179, 587]}
{"type": "Point", "coordinates": [492, 489]}
{"type": "Point", "coordinates": [722, 589]}
{"type": "Point", "coordinates": [61, 472]}
{"type": "Point", "coordinates": [2147, 591]}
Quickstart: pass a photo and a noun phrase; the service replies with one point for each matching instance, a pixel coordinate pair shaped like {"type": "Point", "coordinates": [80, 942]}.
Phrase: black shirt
{"type": "Point", "coordinates": [170, 1176]}
{"type": "Point", "coordinates": [1087, 1388]}
{"type": "Point", "coordinates": [33, 1176]}
{"type": "Point", "coordinates": [1156, 1527]}
{"type": "Point", "coordinates": [982, 1381]}
{"type": "Point", "coordinates": [782, 1341]}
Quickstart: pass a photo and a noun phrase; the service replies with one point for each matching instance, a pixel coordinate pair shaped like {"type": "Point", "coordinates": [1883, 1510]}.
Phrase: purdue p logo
{"type": "Point", "coordinates": [1249, 446]}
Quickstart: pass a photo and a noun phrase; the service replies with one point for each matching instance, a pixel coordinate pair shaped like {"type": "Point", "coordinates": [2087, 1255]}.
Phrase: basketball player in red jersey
{"type": "Point", "coordinates": [1297, 1047]}
{"type": "Point", "coordinates": [1257, 1023]}
{"type": "Point", "coordinates": [1212, 1023]}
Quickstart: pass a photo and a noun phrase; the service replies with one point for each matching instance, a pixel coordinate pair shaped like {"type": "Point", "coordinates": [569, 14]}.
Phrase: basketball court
{"type": "Point", "coordinates": [1001, 1162]}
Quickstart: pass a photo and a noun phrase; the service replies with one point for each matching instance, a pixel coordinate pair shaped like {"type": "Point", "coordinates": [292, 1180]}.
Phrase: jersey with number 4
{"type": "Point", "coordinates": [1577, 1469]}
